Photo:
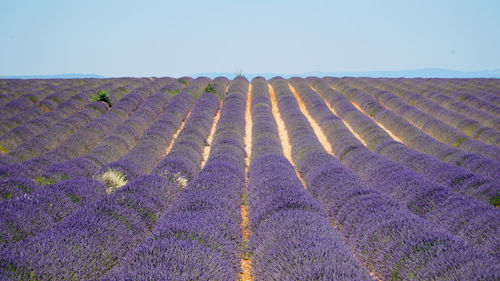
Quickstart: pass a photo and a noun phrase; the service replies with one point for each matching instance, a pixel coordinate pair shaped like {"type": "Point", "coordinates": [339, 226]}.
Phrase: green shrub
{"type": "Point", "coordinates": [174, 92]}
{"type": "Point", "coordinates": [210, 89]}
{"type": "Point", "coordinates": [102, 95]}
{"type": "Point", "coordinates": [495, 201]}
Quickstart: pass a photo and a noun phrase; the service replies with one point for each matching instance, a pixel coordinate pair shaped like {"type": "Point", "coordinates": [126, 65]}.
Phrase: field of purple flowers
{"type": "Point", "coordinates": [280, 179]}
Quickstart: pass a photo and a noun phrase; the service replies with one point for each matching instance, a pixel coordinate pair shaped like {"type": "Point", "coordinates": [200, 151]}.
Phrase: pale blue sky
{"type": "Point", "coordinates": [174, 38]}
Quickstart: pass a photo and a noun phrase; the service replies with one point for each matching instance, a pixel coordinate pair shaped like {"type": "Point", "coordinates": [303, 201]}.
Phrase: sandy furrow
{"type": "Point", "coordinates": [245, 261]}
{"type": "Point", "coordinates": [320, 135]}
{"type": "Point", "coordinates": [283, 134]}
{"type": "Point", "coordinates": [169, 147]}
{"type": "Point", "coordinates": [380, 125]}
{"type": "Point", "coordinates": [316, 128]}
{"type": "Point", "coordinates": [206, 149]}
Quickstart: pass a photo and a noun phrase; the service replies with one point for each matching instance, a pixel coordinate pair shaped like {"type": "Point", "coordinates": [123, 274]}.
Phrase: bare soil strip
{"type": "Point", "coordinates": [346, 124]}
{"type": "Point", "coordinates": [316, 128]}
{"type": "Point", "coordinates": [324, 141]}
{"type": "Point", "coordinates": [283, 134]}
{"type": "Point", "coordinates": [210, 138]}
{"type": "Point", "coordinates": [169, 147]}
{"type": "Point", "coordinates": [380, 125]}
{"type": "Point", "coordinates": [245, 261]}
{"type": "Point", "coordinates": [248, 126]}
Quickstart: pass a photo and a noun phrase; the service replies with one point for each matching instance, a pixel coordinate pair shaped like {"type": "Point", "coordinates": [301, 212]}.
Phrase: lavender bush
{"type": "Point", "coordinates": [367, 219]}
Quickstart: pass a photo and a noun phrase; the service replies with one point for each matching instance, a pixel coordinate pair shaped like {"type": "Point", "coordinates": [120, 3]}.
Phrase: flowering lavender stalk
{"type": "Point", "coordinates": [482, 129]}
{"type": "Point", "coordinates": [265, 138]}
{"type": "Point", "coordinates": [12, 187]}
{"type": "Point", "coordinates": [486, 119]}
{"type": "Point", "coordinates": [44, 105]}
{"type": "Point", "coordinates": [30, 129]}
{"type": "Point", "coordinates": [484, 95]}
{"type": "Point", "coordinates": [291, 236]}
{"type": "Point", "coordinates": [92, 240]}
{"type": "Point", "coordinates": [37, 125]}
{"type": "Point", "coordinates": [56, 134]}
{"type": "Point", "coordinates": [379, 141]}
{"type": "Point", "coordinates": [12, 89]}
{"type": "Point", "coordinates": [489, 86]}
{"type": "Point", "coordinates": [52, 202]}
{"type": "Point", "coordinates": [185, 157]}
{"type": "Point", "coordinates": [431, 126]}
{"type": "Point", "coordinates": [198, 236]}
{"type": "Point", "coordinates": [388, 239]}
{"type": "Point", "coordinates": [150, 149]}
{"type": "Point", "coordinates": [115, 145]}
{"type": "Point", "coordinates": [17, 106]}
{"type": "Point", "coordinates": [413, 137]}
{"type": "Point", "coordinates": [52, 92]}
{"type": "Point", "coordinates": [463, 97]}
{"type": "Point", "coordinates": [30, 214]}
{"type": "Point", "coordinates": [84, 139]}
{"type": "Point", "coordinates": [432, 201]}
{"type": "Point", "coordinates": [431, 118]}
{"type": "Point", "coordinates": [34, 207]}
{"type": "Point", "coordinates": [197, 86]}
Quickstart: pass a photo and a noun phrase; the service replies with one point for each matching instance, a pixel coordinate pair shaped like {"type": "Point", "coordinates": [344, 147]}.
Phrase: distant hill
{"type": "Point", "coordinates": [414, 73]}
{"type": "Point", "coordinates": [65, 75]}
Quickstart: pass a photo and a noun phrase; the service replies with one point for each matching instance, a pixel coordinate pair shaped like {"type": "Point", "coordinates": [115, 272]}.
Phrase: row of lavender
{"type": "Point", "coordinates": [292, 238]}
{"type": "Point", "coordinates": [480, 186]}
{"type": "Point", "coordinates": [133, 207]}
{"type": "Point", "coordinates": [434, 127]}
{"type": "Point", "coordinates": [485, 130]}
{"type": "Point", "coordinates": [11, 89]}
{"type": "Point", "coordinates": [413, 137]}
{"type": "Point", "coordinates": [274, 197]}
{"type": "Point", "coordinates": [51, 203]}
{"type": "Point", "coordinates": [476, 93]}
{"type": "Point", "coordinates": [197, 238]}
{"type": "Point", "coordinates": [114, 145]}
{"type": "Point", "coordinates": [22, 96]}
{"type": "Point", "coordinates": [104, 139]}
{"type": "Point", "coordinates": [76, 144]}
{"type": "Point", "coordinates": [385, 235]}
{"type": "Point", "coordinates": [476, 221]}
{"type": "Point", "coordinates": [45, 97]}
{"type": "Point", "coordinates": [17, 177]}
{"type": "Point", "coordinates": [43, 102]}
{"type": "Point", "coordinates": [40, 115]}
{"type": "Point", "coordinates": [77, 102]}
{"type": "Point", "coordinates": [48, 205]}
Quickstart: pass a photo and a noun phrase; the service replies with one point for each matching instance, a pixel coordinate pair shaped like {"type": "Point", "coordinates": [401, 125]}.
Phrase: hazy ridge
{"type": "Point", "coordinates": [412, 73]}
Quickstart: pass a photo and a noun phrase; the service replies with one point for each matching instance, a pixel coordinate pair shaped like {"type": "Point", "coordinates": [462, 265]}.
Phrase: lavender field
{"type": "Point", "coordinates": [280, 179]}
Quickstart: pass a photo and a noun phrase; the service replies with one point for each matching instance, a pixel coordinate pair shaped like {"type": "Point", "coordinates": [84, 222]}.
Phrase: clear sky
{"type": "Point", "coordinates": [174, 38]}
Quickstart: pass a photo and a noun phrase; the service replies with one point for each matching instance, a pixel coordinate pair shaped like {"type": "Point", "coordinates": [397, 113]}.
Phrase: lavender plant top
{"type": "Point", "coordinates": [194, 178]}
